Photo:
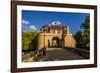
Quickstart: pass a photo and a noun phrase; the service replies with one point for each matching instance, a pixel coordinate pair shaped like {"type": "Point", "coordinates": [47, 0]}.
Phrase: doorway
{"type": "Point", "coordinates": [55, 42]}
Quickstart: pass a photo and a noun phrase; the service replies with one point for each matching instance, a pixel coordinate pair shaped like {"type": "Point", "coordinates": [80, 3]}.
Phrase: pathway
{"type": "Point", "coordinates": [60, 54]}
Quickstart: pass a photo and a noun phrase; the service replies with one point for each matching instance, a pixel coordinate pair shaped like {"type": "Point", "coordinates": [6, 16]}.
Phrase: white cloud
{"type": "Point", "coordinates": [25, 22]}
{"type": "Point", "coordinates": [53, 23]}
{"type": "Point", "coordinates": [33, 27]}
{"type": "Point", "coordinates": [56, 23]}
{"type": "Point", "coordinates": [59, 22]}
{"type": "Point", "coordinates": [27, 26]}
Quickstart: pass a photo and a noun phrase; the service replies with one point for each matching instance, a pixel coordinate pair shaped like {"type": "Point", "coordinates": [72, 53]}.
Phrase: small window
{"type": "Point", "coordinates": [53, 31]}
{"type": "Point", "coordinates": [58, 31]}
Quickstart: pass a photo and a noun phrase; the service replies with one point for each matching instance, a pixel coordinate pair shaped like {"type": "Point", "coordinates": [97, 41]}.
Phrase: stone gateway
{"type": "Point", "coordinates": [55, 35]}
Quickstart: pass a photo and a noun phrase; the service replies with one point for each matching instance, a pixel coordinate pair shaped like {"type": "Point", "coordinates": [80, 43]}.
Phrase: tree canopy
{"type": "Point", "coordinates": [29, 41]}
{"type": "Point", "coordinates": [83, 35]}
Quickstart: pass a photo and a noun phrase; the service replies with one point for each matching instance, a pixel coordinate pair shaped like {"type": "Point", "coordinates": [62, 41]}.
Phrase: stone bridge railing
{"type": "Point", "coordinates": [33, 56]}
{"type": "Point", "coordinates": [82, 52]}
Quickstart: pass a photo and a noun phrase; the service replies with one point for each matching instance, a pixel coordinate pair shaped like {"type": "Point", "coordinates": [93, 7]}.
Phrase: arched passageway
{"type": "Point", "coordinates": [55, 42]}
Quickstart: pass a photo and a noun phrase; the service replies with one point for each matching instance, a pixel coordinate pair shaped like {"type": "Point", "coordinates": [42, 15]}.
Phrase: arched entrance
{"type": "Point", "coordinates": [55, 42]}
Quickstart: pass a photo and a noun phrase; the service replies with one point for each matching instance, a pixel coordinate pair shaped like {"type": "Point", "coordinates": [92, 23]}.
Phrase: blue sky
{"type": "Point", "coordinates": [34, 20]}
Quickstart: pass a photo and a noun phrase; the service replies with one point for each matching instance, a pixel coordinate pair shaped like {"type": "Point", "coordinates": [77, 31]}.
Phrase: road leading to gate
{"type": "Point", "coordinates": [60, 54]}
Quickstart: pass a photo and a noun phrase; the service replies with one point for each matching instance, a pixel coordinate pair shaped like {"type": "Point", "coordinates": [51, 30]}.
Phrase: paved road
{"type": "Point", "coordinates": [60, 54]}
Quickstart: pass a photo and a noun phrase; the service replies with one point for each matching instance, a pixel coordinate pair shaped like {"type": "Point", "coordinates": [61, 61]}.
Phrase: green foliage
{"type": "Point", "coordinates": [78, 38]}
{"type": "Point", "coordinates": [83, 36]}
{"type": "Point", "coordinates": [29, 41]}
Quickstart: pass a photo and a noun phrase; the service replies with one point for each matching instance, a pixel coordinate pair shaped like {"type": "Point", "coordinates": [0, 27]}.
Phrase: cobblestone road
{"type": "Point", "coordinates": [60, 54]}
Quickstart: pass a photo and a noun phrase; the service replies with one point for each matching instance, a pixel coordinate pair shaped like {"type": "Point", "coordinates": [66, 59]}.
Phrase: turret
{"type": "Point", "coordinates": [46, 28]}
{"type": "Point", "coordinates": [65, 29]}
{"type": "Point", "coordinates": [68, 30]}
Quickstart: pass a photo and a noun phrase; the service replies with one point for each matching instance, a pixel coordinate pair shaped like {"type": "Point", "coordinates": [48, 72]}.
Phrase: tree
{"type": "Point", "coordinates": [78, 38]}
{"type": "Point", "coordinates": [86, 28]}
{"type": "Point", "coordinates": [29, 41]}
{"type": "Point", "coordinates": [83, 36]}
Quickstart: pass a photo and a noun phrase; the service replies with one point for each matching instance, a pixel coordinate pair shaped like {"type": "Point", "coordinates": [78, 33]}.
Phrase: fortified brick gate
{"type": "Point", "coordinates": [55, 35]}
